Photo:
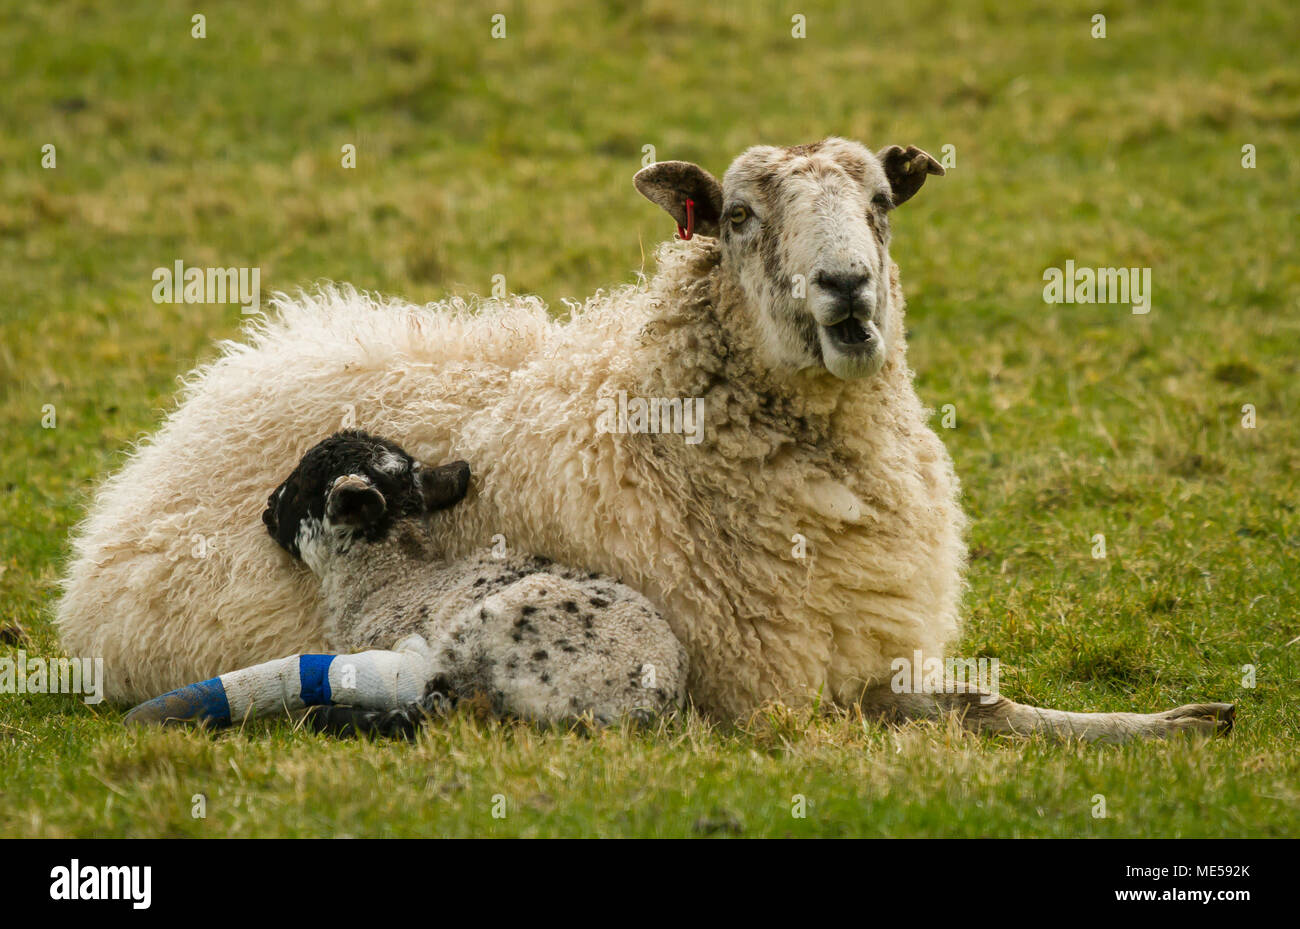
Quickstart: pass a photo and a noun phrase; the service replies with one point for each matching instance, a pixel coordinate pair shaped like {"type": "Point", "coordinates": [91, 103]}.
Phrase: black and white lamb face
{"type": "Point", "coordinates": [804, 231]}
{"type": "Point", "coordinates": [355, 486]}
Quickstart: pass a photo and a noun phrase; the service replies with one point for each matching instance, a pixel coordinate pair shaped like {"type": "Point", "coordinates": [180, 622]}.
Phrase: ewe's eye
{"type": "Point", "coordinates": [738, 215]}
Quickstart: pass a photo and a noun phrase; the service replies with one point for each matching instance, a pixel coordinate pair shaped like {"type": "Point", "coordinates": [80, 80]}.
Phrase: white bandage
{"type": "Point", "coordinates": [375, 680]}
{"type": "Point", "coordinates": [382, 680]}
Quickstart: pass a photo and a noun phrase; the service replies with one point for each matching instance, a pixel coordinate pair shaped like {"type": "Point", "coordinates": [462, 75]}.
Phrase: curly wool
{"type": "Point", "coordinates": [708, 532]}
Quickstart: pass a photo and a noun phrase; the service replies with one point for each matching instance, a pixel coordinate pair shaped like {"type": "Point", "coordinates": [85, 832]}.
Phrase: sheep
{"type": "Point", "coordinates": [779, 311]}
{"type": "Point", "coordinates": [535, 640]}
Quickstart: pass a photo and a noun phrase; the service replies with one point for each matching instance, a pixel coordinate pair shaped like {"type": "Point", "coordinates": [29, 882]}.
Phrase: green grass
{"type": "Point", "coordinates": [478, 157]}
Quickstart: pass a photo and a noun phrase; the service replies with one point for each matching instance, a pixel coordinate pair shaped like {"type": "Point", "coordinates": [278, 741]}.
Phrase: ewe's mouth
{"type": "Point", "coordinates": [852, 348]}
{"type": "Point", "coordinates": [849, 332]}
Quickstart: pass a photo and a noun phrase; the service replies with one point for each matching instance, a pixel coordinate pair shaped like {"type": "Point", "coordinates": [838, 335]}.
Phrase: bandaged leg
{"type": "Point", "coordinates": [374, 680]}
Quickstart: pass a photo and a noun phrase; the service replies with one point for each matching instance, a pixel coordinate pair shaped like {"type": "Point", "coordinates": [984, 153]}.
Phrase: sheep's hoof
{"type": "Point", "coordinates": [204, 702]}
{"type": "Point", "coordinates": [169, 709]}
{"type": "Point", "coordinates": [1203, 718]}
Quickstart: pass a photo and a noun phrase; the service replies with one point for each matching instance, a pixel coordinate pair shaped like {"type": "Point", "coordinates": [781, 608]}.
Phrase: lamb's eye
{"type": "Point", "coordinates": [738, 215]}
{"type": "Point", "coordinates": [882, 201]}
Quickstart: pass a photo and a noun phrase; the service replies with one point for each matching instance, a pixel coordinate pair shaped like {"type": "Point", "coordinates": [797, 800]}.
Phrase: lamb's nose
{"type": "Point", "coordinates": [845, 286]}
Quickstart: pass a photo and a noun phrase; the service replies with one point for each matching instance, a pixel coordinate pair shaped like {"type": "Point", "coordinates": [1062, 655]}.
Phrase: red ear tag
{"type": "Point", "coordinates": [690, 221]}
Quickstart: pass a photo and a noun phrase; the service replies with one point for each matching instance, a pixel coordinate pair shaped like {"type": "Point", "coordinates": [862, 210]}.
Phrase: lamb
{"type": "Point", "coordinates": [535, 640]}
{"type": "Point", "coordinates": [780, 311]}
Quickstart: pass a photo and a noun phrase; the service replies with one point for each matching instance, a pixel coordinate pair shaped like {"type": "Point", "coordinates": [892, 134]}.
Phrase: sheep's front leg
{"type": "Point", "coordinates": [983, 712]}
{"type": "Point", "coordinates": [371, 680]}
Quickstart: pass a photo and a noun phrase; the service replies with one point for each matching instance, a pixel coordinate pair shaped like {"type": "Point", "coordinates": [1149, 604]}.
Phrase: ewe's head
{"type": "Point", "coordinates": [355, 486]}
{"type": "Point", "coordinates": [804, 231]}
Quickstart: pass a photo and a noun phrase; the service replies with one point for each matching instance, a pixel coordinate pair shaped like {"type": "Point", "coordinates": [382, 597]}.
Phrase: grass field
{"type": "Point", "coordinates": [478, 156]}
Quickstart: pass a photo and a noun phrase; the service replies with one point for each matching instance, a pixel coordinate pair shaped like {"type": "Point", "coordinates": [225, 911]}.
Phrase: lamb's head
{"type": "Point", "coordinates": [354, 487]}
{"type": "Point", "coordinates": [804, 231]}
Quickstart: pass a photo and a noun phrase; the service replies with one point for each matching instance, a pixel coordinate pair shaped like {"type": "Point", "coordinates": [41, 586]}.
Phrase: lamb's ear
{"type": "Point", "coordinates": [906, 169]}
{"type": "Point", "coordinates": [445, 485]}
{"type": "Point", "coordinates": [279, 518]}
{"type": "Point", "coordinates": [270, 515]}
{"type": "Point", "coordinates": [355, 502]}
{"type": "Point", "coordinates": [671, 183]}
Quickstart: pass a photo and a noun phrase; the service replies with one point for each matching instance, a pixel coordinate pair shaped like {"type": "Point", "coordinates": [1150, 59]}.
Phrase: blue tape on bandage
{"type": "Point", "coordinates": [314, 673]}
{"type": "Point", "coordinates": [210, 699]}
{"type": "Point", "coordinates": [205, 700]}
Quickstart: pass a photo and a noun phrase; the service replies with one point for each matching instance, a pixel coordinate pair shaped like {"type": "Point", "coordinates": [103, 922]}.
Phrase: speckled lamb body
{"type": "Point", "coordinates": [535, 639]}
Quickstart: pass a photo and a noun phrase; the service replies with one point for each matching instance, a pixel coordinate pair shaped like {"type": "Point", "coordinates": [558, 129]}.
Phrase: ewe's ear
{"type": "Point", "coordinates": [445, 485]}
{"type": "Point", "coordinates": [671, 183]}
{"type": "Point", "coordinates": [354, 502]}
{"type": "Point", "coordinates": [907, 169]}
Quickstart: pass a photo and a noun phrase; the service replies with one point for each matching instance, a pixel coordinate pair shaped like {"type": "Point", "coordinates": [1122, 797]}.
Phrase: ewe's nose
{"type": "Point", "coordinates": [844, 286]}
